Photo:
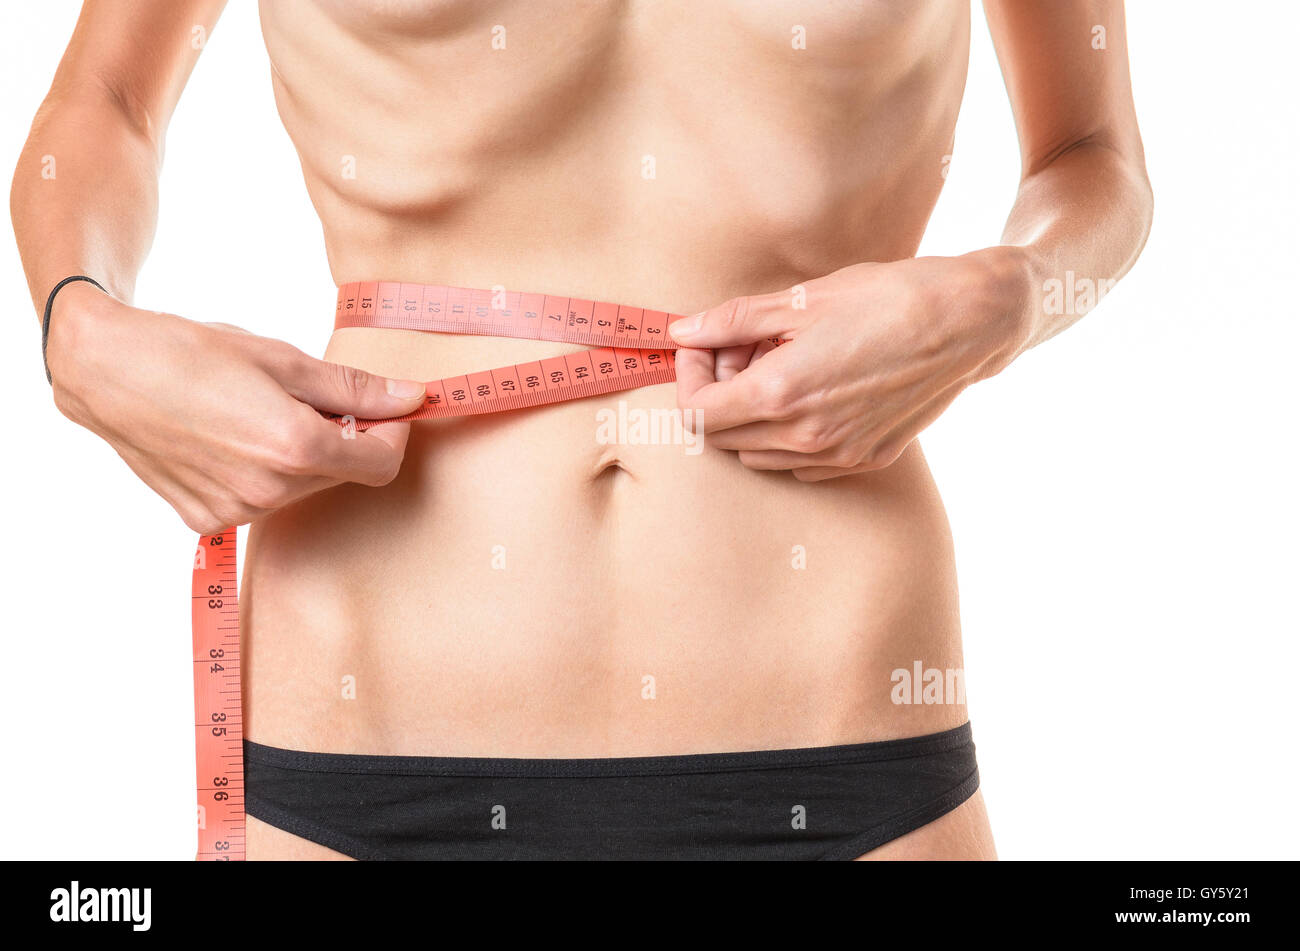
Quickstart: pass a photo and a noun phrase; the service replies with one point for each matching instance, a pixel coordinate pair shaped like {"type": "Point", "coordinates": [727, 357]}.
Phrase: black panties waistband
{"type": "Point", "coordinates": [358, 763]}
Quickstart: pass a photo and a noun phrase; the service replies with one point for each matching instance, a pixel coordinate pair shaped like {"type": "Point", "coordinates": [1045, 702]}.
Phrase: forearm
{"type": "Point", "coordinates": [1080, 221]}
{"type": "Point", "coordinates": [85, 192]}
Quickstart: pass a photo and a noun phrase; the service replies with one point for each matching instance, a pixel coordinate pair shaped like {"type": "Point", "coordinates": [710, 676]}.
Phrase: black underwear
{"type": "Point", "coordinates": [834, 802]}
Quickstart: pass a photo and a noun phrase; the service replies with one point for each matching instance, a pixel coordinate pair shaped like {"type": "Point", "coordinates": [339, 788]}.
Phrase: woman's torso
{"type": "Point", "coordinates": [524, 588]}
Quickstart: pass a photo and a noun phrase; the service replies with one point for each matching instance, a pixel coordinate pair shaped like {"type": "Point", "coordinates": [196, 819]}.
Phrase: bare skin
{"type": "Point", "coordinates": [431, 156]}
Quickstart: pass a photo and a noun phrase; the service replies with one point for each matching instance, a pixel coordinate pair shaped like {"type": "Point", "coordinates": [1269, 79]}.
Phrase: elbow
{"type": "Point", "coordinates": [1141, 197]}
{"type": "Point", "coordinates": [1118, 170]}
{"type": "Point", "coordinates": [1148, 200]}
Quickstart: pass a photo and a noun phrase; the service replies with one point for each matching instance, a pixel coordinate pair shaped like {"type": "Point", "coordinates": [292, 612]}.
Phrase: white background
{"type": "Point", "coordinates": [1123, 498]}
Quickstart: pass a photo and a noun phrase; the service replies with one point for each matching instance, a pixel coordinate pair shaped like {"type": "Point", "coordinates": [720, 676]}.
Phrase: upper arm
{"type": "Point", "coordinates": [1065, 63]}
{"type": "Point", "coordinates": [139, 53]}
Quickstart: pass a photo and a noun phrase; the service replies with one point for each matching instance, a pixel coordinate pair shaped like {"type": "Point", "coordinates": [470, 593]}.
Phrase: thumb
{"type": "Point", "coordinates": [738, 321]}
{"type": "Point", "coordinates": [335, 388]}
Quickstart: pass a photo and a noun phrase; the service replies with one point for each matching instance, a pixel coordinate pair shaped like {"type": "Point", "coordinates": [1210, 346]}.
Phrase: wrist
{"type": "Point", "coordinates": [1006, 285]}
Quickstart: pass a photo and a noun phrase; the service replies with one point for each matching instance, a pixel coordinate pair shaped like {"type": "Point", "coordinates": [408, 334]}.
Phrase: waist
{"type": "Point", "coordinates": [510, 592]}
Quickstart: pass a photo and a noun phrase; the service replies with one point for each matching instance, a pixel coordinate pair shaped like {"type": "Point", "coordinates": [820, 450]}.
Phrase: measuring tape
{"type": "Point", "coordinates": [631, 345]}
{"type": "Point", "coordinates": [218, 708]}
{"type": "Point", "coordinates": [630, 348]}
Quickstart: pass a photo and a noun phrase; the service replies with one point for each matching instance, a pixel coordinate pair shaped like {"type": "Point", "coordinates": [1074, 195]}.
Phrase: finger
{"type": "Point", "coordinates": [818, 466]}
{"type": "Point", "coordinates": [762, 391]}
{"type": "Point", "coordinates": [393, 435]}
{"type": "Point", "coordinates": [718, 406]}
{"type": "Point", "coordinates": [822, 473]}
{"type": "Point", "coordinates": [783, 459]}
{"type": "Point", "coordinates": [729, 361]}
{"type": "Point", "coordinates": [372, 457]}
{"type": "Point", "coordinates": [769, 435]}
{"type": "Point", "coordinates": [335, 388]}
{"type": "Point", "coordinates": [694, 370]}
{"type": "Point", "coordinates": [738, 321]}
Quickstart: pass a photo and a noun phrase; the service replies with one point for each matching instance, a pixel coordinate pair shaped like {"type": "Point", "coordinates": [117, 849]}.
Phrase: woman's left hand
{"type": "Point", "coordinates": [875, 353]}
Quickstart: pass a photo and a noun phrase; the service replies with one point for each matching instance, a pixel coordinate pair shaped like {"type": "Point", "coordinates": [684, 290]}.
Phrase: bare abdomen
{"type": "Point", "coordinates": [531, 586]}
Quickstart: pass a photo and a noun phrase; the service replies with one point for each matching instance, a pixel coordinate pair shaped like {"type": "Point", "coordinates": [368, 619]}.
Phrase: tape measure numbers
{"type": "Point", "coordinates": [218, 707]}
{"type": "Point", "coordinates": [631, 347]}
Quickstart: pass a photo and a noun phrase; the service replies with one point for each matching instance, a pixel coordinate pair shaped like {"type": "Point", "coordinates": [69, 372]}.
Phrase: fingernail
{"type": "Point", "coordinates": [405, 389]}
{"type": "Point", "coordinates": [687, 325]}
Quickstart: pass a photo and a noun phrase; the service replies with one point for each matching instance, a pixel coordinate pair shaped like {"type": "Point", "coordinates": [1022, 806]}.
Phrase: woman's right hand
{"type": "Point", "coordinates": [221, 423]}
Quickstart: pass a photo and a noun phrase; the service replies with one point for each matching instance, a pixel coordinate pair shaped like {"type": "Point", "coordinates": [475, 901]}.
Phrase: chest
{"type": "Point", "coordinates": [829, 28]}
